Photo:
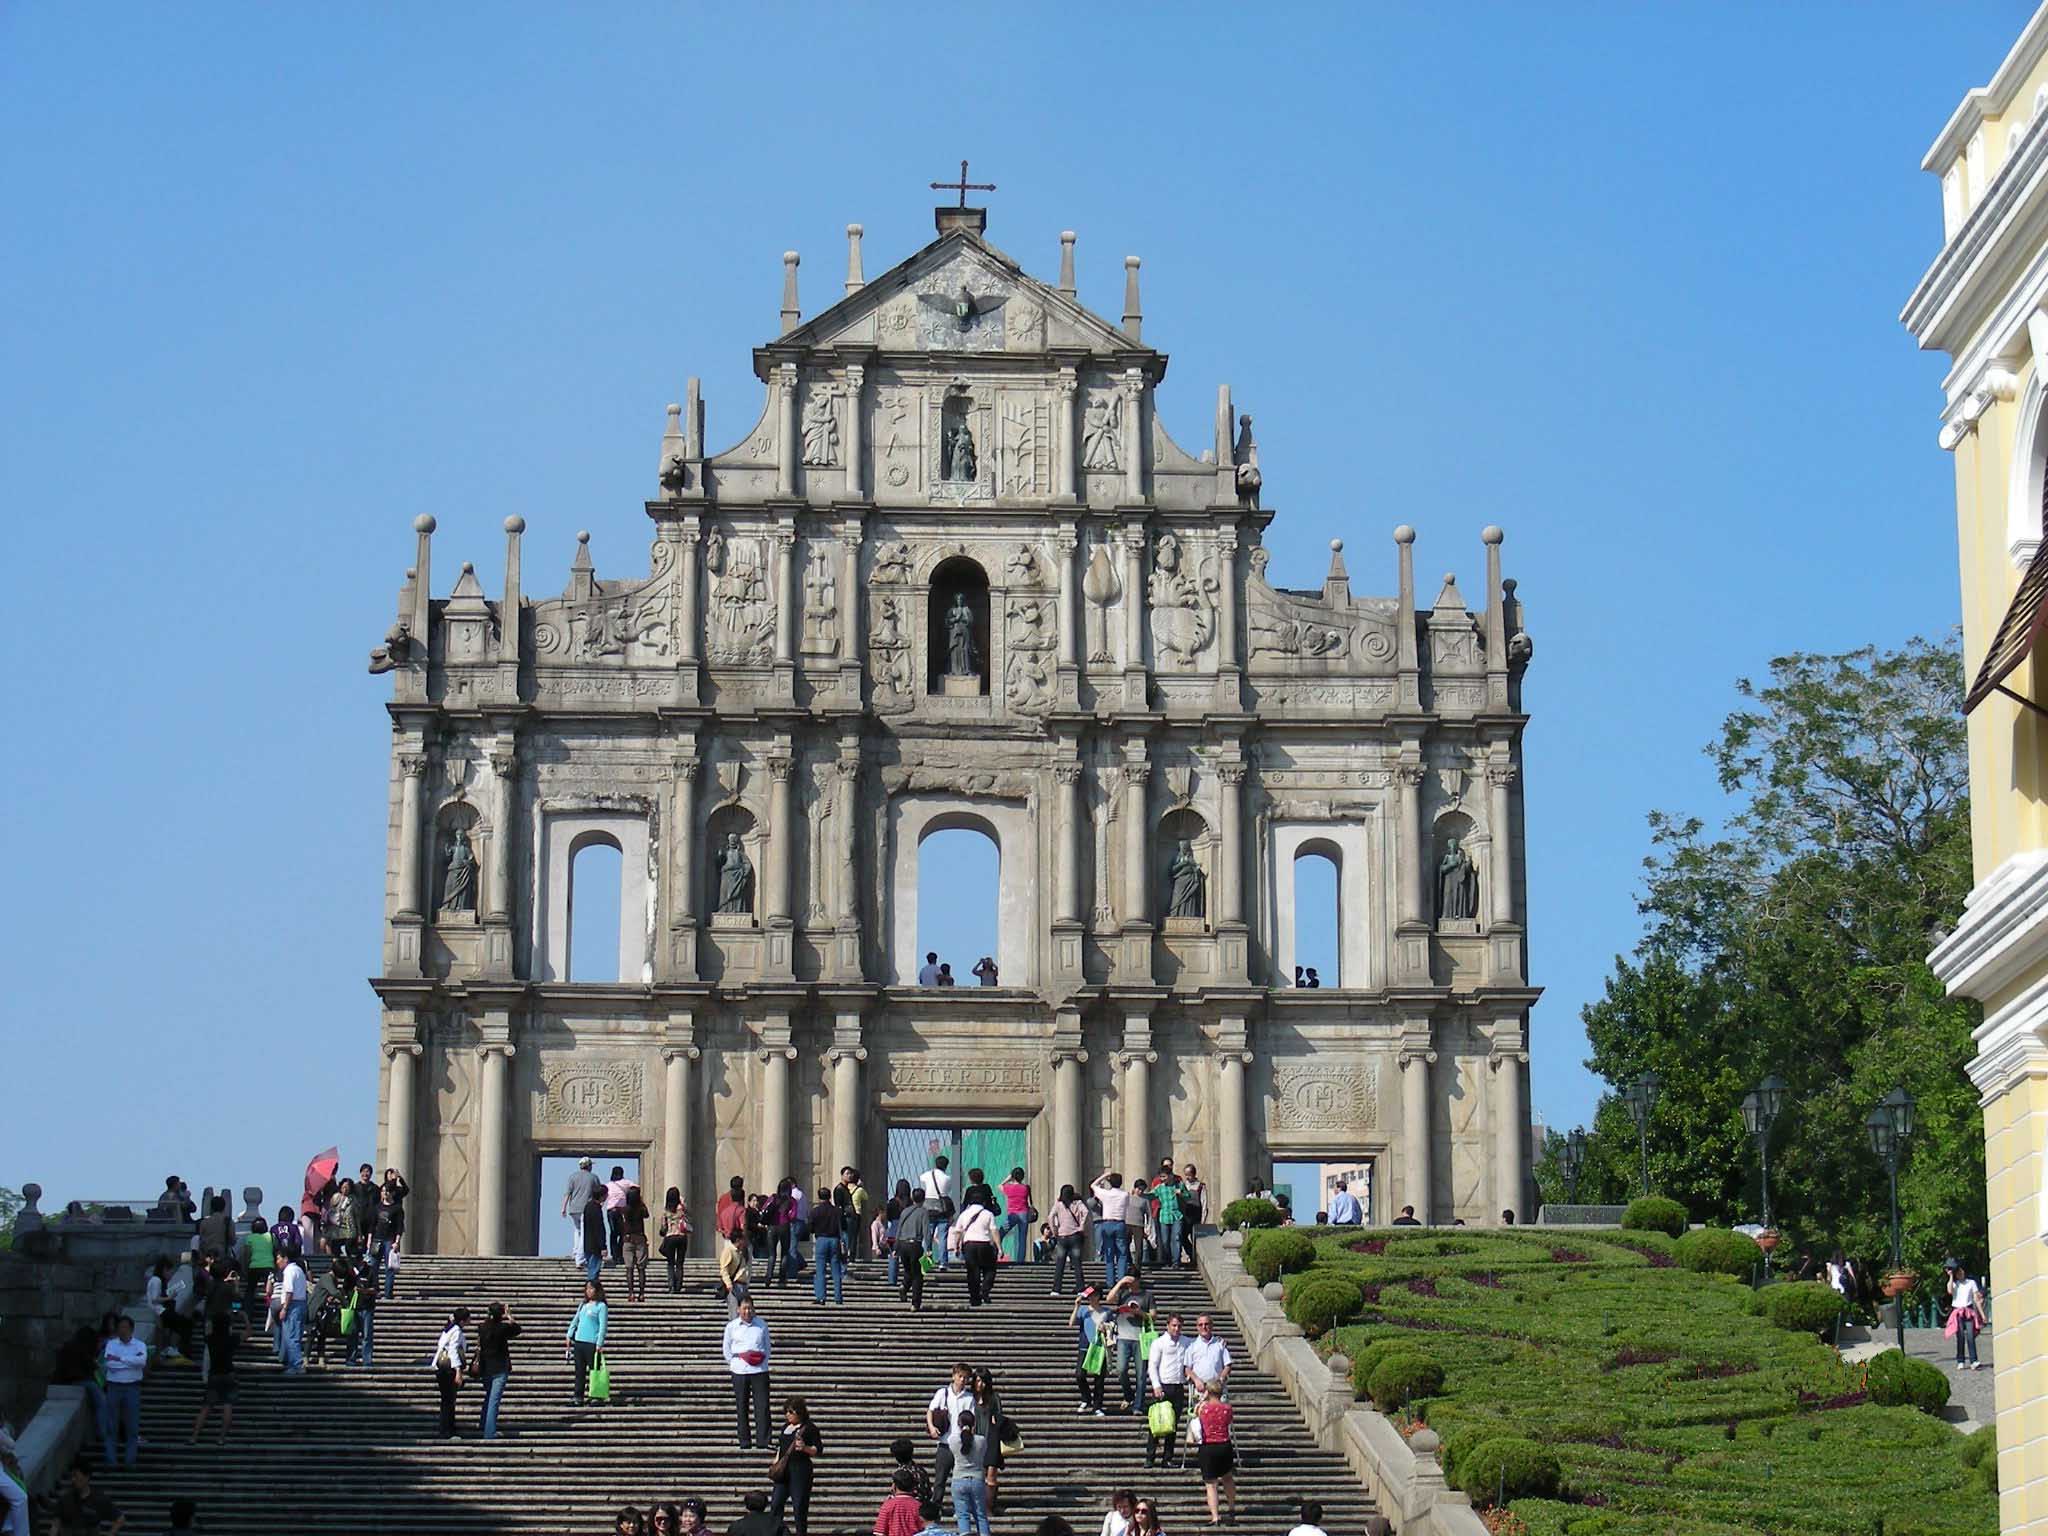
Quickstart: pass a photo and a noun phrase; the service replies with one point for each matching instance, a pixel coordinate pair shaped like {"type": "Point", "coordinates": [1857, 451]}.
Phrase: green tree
{"type": "Point", "coordinates": [1795, 942]}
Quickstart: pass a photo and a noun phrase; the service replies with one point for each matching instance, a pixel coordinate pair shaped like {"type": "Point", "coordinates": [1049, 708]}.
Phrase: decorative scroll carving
{"type": "Point", "coordinates": [1018, 1077]}
{"type": "Point", "coordinates": [590, 1092]}
{"type": "Point", "coordinates": [1307, 1097]}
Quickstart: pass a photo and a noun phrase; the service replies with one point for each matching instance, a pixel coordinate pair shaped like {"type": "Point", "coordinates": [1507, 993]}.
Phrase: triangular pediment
{"type": "Point", "coordinates": [960, 294]}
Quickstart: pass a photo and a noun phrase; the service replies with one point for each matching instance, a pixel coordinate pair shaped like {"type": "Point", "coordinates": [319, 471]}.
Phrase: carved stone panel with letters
{"type": "Point", "coordinates": [985, 1075]}
{"type": "Point", "coordinates": [1307, 1097]}
{"type": "Point", "coordinates": [590, 1091]}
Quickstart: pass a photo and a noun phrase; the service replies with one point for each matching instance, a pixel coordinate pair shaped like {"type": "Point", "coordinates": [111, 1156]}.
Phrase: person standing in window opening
{"type": "Point", "coordinates": [1345, 1210]}
{"type": "Point", "coordinates": [449, 1352]}
{"type": "Point", "coordinates": [795, 1465]}
{"type": "Point", "coordinates": [1112, 1240]}
{"type": "Point", "coordinates": [946, 974]}
{"type": "Point", "coordinates": [575, 1196]}
{"type": "Point", "coordinates": [494, 1361]}
{"type": "Point", "coordinates": [985, 970]}
{"type": "Point", "coordinates": [615, 1214]}
{"type": "Point", "coordinates": [929, 975]}
{"type": "Point", "coordinates": [585, 1336]}
{"type": "Point", "coordinates": [594, 1234]}
{"type": "Point", "coordinates": [634, 1219]}
{"type": "Point", "coordinates": [1018, 1215]}
{"type": "Point", "coordinates": [828, 1253]}
{"type": "Point", "coordinates": [675, 1237]}
{"type": "Point", "coordinates": [747, 1348]}
{"type": "Point", "coordinates": [937, 1184]}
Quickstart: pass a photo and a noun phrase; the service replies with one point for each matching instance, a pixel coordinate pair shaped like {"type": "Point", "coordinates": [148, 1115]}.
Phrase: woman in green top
{"type": "Point", "coordinates": [586, 1336]}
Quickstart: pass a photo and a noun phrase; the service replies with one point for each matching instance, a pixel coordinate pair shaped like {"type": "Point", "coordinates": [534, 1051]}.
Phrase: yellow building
{"type": "Point", "coordinates": [1984, 302]}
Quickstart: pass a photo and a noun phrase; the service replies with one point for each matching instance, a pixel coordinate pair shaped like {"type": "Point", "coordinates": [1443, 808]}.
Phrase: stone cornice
{"type": "Point", "coordinates": [2012, 1044]}
{"type": "Point", "coordinates": [1991, 99]}
{"type": "Point", "coordinates": [2000, 237]}
{"type": "Point", "coordinates": [2003, 932]}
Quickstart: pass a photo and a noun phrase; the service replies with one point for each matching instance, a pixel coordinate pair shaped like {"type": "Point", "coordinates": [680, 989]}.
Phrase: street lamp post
{"type": "Point", "coordinates": [1759, 1115]}
{"type": "Point", "coordinates": [1641, 1098]}
{"type": "Point", "coordinates": [1574, 1158]}
{"type": "Point", "coordinates": [1891, 1127]}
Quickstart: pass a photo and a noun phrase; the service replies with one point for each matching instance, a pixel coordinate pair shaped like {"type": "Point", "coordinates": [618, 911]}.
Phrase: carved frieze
{"type": "Point", "coordinates": [983, 1075]}
{"type": "Point", "coordinates": [1286, 630]}
{"type": "Point", "coordinates": [627, 622]}
{"type": "Point", "coordinates": [1309, 1097]}
{"type": "Point", "coordinates": [590, 1091]}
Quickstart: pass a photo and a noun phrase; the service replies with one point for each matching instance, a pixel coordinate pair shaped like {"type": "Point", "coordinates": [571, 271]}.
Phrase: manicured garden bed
{"type": "Point", "coordinates": [1668, 1402]}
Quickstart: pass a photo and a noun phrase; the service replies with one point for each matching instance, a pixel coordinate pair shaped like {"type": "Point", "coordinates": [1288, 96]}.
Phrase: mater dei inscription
{"type": "Point", "coordinates": [953, 572]}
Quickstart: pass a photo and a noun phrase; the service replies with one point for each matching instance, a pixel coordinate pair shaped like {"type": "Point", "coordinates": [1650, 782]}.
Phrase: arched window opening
{"type": "Point", "coordinates": [596, 874]}
{"type": "Point", "coordinates": [957, 628]}
{"type": "Point", "coordinates": [1318, 917]}
{"type": "Point", "coordinates": [959, 881]}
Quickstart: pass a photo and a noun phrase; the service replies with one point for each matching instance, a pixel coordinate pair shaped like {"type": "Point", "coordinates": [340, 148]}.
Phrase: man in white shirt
{"type": "Point", "coordinates": [291, 1313]}
{"type": "Point", "coordinates": [1311, 1520]}
{"type": "Point", "coordinates": [929, 975]}
{"type": "Point", "coordinates": [953, 1399]}
{"type": "Point", "coordinates": [746, 1350]}
{"type": "Point", "coordinates": [127, 1360]}
{"type": "Point", "coordinates": [1168, 1371]}
{"type": "Point", "coordinates": [938, 1199]}
{"type": "Point", "coordinates": [1112, 1236]}
{"type": "Point", "coordinates": [1208, 1357]}
{"type": "Point", "coordinates": [1345, 1210]}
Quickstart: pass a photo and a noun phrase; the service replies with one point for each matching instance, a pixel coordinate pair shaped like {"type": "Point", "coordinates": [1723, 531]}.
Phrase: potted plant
{"type": "Point", "coordinates": [1899, 1281]}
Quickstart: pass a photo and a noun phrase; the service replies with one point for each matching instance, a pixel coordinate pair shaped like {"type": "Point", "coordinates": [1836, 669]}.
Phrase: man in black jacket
{"type": "Point", "coordinates": [913, 1231]}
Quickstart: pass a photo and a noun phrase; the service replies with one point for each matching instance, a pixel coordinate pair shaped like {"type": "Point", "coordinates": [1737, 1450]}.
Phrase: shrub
{"type": "Point", "coordinates": [1899, 1381]}
{"type": "Point", "coordinates": [1717, 1251]}
{"type": "Point", "coordinates": [1322, 1302]}
{"type": "Point", "coordinates": [1251, 1213]}
{"type": "Point", "coordinates": [1803, 1306]}
{"type": "Point", "coordinates": [1507, 1467]}
{"type": "Point", "coordinates": [1654, 1213]}
{"type": "Point", "coordinates": [1402, 1376]}
{"type": "Point", "coordinates": [1367, 1360]}
{"type": "Point", "coordinates": [1979, 1451]}
{"type": "Point", "coordinates": [1269, 1255]}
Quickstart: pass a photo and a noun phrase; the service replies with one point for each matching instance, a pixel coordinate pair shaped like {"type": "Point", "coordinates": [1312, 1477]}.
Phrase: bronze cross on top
{"type": "Point", "coordinates": [963, 186]}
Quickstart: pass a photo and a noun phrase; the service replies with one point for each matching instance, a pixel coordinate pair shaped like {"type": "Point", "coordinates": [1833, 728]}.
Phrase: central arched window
{"type": "Point", "coordinates": [957, 628]}
{"type": "Point", "coordinates": [596, 869]}
{"type": "Point", "coordinates": [959, 885]}
{"type": "Point", "coordinates": [1318, 916]}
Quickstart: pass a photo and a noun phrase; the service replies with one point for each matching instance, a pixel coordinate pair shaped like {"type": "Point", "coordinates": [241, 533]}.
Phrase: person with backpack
{"type": "Point", "coordinates": [585, 1337]}
{"type": "Point", "coordinates": [633, 1221]}
{"type": "Point", "coordinates": [675, 1237]}
{"type": "Point", "coordinates": [937, 1185]}
{"type": "Point", "coordinates": [913, 1233]}
{"type": "Point", "coordinates": [449, 1353]}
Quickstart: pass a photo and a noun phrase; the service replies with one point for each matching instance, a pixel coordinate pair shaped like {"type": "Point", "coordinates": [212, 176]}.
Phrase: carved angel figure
{"type": "Point", "coordinates": [1024, 566]}
{"type": "Point", "coordinates": [821, 430]}
{"type": "Point", "coordinates": [1102, 432]}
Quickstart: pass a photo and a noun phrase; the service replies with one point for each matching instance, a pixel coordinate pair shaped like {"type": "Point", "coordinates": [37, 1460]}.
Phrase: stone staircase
{"type": "Point", "coordinates": [353, 1451]}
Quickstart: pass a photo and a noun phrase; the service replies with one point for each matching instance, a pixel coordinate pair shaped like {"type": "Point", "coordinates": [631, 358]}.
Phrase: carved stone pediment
{"type": "Point", "coordinates": [1293, 633]}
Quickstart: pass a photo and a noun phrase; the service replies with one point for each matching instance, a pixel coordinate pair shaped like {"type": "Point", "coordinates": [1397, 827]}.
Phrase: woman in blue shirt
{"type": "Point", "coordinates": [586, 1336]}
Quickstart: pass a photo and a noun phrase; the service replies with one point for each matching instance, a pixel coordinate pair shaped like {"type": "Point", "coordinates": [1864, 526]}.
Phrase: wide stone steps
{"type": "Point", "coordinates": [347, 1450]}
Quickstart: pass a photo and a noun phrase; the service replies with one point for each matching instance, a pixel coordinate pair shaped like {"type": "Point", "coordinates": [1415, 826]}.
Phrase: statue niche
{"type": "Point", "coordinates": [958, 629]}
{"type": "Point", "coordinates": [1456, 875]}
{"type": "Point", "coordinates": [1183, 842]}
{"type": "Point", "coordinates": [457, 874]}
{"type": "Point", "coordinates": [732, 869]}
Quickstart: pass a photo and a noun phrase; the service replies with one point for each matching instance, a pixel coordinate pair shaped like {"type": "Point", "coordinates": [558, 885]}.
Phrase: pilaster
{"type": "Point", "coordinates": [683, 883]}
{"type": "Point", "coordinates": [1134, 942]}
{"type": "Point", "coordinates": [777, 1056]}
{"type": "Point", "coordinates": [779, 926]}
{"type": "Point", "coordinates": [1137, 694]}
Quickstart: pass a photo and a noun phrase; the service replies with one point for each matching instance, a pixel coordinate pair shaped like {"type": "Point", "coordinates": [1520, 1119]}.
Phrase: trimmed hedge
{"type": "Point", "coordinates": [1803, 1306]}
{"type": "Point", "coordinates": [1717, 1251]}
{"type": "Point", "coordinates": [1321, 1302]}
{"type": "Point", "coordinates": [1251, 1213]}
{"type": "Point", "coordinates": [1507, 1467]}
{"type": "Point", "coordinates": [1979, 1452]}
{"type": "Point", "coordinates": [1894, 1380]}
{"type": "Point", "coordinates": [1367, 1359]}
{"type": "Point", "coordinates": [1403, 1376]}
{"type": "Point", "coordinates": [1654, 1213]}
{"type": "Point", "coordinates": [1270, 1254]}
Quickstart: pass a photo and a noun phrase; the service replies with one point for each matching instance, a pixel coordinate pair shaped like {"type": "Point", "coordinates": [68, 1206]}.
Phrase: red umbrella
{"type": "Point", "coordinates": [319, 1174]}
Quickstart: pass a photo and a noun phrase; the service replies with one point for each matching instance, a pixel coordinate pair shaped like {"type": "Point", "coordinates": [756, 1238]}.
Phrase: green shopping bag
{"type": "Point", "coordinates": [1159, 1418]}
{"type": "Point", "coordinates": [1096, 1361]}
{"type": "Point", "coordinates": [601, 1383]}
{"type": "Point", "coordinates": [348, 1320]}
{"type": "Point", "coordinates": [927, 1263]}
{"type": "Point", "coordinates": [1146, 1339]}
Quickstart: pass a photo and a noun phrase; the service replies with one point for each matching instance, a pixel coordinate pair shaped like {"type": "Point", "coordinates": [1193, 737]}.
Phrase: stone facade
{"type": "Point", "coordinates": [956, 575]}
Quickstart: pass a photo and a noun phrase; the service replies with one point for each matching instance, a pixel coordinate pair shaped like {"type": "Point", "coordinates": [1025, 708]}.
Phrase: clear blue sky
{"type": "Point", "coordinates": [1622, 280]}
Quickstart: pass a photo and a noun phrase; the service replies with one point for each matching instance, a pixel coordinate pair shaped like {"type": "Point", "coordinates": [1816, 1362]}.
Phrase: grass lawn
{"type": "Point", "coordinates": [1670, 1405]}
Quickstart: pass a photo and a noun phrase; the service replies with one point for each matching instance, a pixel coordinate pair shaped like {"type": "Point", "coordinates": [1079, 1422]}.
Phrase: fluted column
{"type": "Point", "coordinates": [411, 812]}
{"type": "Point", "coordinates": [786, 599]}
{"type": "Point", "coordinates": [1415, 860]}
{"type": "Point", "coordinates": [1510, 1129]}
{"type": "Point", "coordinates": [848, 1111]}
{"type": "Point", "coordinates": [398, 1106]}
{"type": "Point", "coordinates": [1231, 1179]}
{"type": "Point", "coordinates": [1134, 418]}
{"type": "Point", "coordinates": [1500, 815]}
{"type": "Point", "coordinates": [1226, 600]}
{"type": "Point", "coordinates": [1137, 1112]}
{"type": "Point", "coordinates": [781, 837]}
{"type": "Point", "coordinates": [787, 441]}
{"type": "Point", "coordinates": [496, 1062]}
{"type": "Point", "coordinates": [1071, 841]}
{"type": "Point", "coordinates": [774, 1151]}
{"type": "Point", "coordinates": [1137, 877]}
{"type": "Point", "coordinates": [504, 813]}
{"type": "Point", "coordinates": [1229, 851]}
{"type": "Point", "coordinates": [675, 1119]}
{"type": "Point", "coordinates": [1417, 1131]}
{"type": "Point", "coordinates": [689, 641]}
{"type": "Point", "coordinates": [682, 894]}
{"type": "Point", "coordinates": [856, 383]}
{"type": "Point", "coordinates": [1066, 472]}
{"type": "Point", "coordinates": [1067, 1162]}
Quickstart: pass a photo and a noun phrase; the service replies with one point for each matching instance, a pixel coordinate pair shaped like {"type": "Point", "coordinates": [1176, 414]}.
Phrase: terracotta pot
{"type": "Point", "coordinates": [1898, 1282]}
{"type": "Point", "coordinates": [1767, 1239]}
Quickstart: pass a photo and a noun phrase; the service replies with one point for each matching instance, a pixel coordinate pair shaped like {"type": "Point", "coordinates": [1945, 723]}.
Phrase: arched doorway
{"type": "Point", "coordinates": [959, 889]}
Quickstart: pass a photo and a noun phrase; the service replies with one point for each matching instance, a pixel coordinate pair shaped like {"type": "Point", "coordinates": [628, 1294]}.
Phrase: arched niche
{"type": "Point", "coordinates": [726, 822]}
{"type": "Point", "coordinates": [955, 582]}
{"type": "Point", "coordinates": [1455, 827]}
{"type": "Point", "coordinates": [564, 832]}
{"type": "Point", "coordinates": [1009, 824]}
{"type": "Point", "coordinates": [1184, 824]}
{"type": "Point", "coordinates": [458, 881]}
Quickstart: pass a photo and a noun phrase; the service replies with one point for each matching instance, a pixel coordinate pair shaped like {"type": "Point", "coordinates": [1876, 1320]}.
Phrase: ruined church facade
{"type": "Point", "coordinates": [957, 574]}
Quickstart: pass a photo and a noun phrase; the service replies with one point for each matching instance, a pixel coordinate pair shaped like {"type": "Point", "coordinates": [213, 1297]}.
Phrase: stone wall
{"type": "Point", "coordinates": [56, 1282]}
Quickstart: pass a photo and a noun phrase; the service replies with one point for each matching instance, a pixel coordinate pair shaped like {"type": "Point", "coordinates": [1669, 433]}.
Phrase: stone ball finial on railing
{"type": "Point", "coordinates": [252, 1204]}
{"type": "Point", "coordinates": [1273, 1291]}
{"type": "Point", "coordinates": [30, 1217]}
{"type": "Point", "coordinates": [1424, 1442]}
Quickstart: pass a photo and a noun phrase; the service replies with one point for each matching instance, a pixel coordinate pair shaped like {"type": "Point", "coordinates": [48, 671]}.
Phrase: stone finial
{"type": "Point", "coordinates": [673, 472]}
{"type": "Point", "coordinates": [1134, 315]}
{"type": "Point", "coordinates": [693, 418]}
{"type": "Point", "coordinates": [790, 313]}
{"type": "Point", "coordinates": [30, 1217]}
{"type": "Point", "coordinates": [1067, 262]}
{"type": "Point", "coordinates": [252, 1204]}
{"type": "Point", "coordinates": [582, 560]}
{"type": "Point", "coordinates": [1225, 415]}
{"type": "Point", "coordinates": [854, 281]}
{"type": "Point", "coordinates": [1337, 584]}
{"type": "Point", "coordinates": [423, 587]}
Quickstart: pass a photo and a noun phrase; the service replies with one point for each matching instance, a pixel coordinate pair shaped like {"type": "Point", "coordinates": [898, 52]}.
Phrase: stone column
{"type": "Point", "coordinates": [1137, 1113]}
{"type": "Point", "coordinates": [399, 1095]}
{"type": "Point", "coordinates": [781, 837]}
{"type": "Point", "coordinates": [787, 440]}
{"type": "Point", "coordinates": [411, 812]}
{"type": "Point", "coordinates": [848, 1110]}
{"type": "Point", "coordinates": [848, 830]}
{"type": "Point", "coordinates": [851, 640]}
{"type": "Point", "coordinates": [1230, 1178]}
{"type": "Point", "coordinates": [682, 895]}
{"type": "Point", "coordinates": [675, 1119]}
{"type": "Point", "coordinates": [1066, 543]}
{"type": "Point", "coordinates": [1226, 600]}
{"type": "Point", "coordinates": [1510, 1126]}
{"type": "Point", "coordinates": [1067, 1161]}
{"type": "Point", "coordinates": [1229, 852]}
{"type": "Point", "coordinates": [1134, 598]}
{"type": "Point", "coordinates": [774, 1150]}
{"type": "Point", "coordinates": [1134, 419]}
{"type": "Point", "coordinates": [1070, 840]}
{"type": "Point", "coordinates": [1417, 1132]}
{"type": "Point", "coordinates": [504, 813]}
{"type": "Point", "coordinates": [1499, 818]}
{"type": "Point", "coordinates": [1066, 475]}
{"type": "Point", "coordinates": [787, 601]}
{"type": "Point", "coordinates": [856, 383]}
{"type": "Point", "coordinates": [1413, 894]}
{"type": "Point", "coordinates": [1137, 875]}
{"type": "Point", "coordinates": [496, 1059]}
{"type": "Point", "coordinates": [687, 643]}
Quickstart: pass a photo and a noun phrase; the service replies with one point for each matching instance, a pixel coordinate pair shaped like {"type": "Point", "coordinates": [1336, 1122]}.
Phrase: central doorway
{"type": "Point", "coordinates": [994, 1149]}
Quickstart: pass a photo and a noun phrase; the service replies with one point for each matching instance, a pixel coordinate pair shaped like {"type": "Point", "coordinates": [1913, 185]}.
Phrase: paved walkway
{"type": "Point", "coordinates": [1968, 1390]}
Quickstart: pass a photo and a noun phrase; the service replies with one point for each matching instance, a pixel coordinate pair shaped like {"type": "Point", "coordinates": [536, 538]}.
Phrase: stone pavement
{"type": "Point", "coordinates": [1968, 1390]}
